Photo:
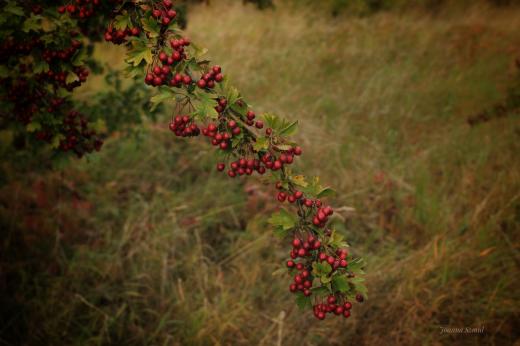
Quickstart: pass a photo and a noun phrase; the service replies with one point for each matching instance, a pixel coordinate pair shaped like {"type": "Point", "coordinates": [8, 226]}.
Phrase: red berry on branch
{"type": "Point", "coordinates": [171, 13]}
{"type": "Point", "coordinates": [156, 13]}
{"type": "Point", "coordinates": [163, 56]}
{"type": "Point", "coordinates": [220, 167]}
{"type": "Point", "coordinates": [297, 151]}
{"type": "Point", "coordinates": [290, 264]}
{"type": "Point", "coordinates": [135, 31]}
{"type": "Point", "coordinates": [259, 124]}
{"type": "Point", "coordinates": [201, 83]}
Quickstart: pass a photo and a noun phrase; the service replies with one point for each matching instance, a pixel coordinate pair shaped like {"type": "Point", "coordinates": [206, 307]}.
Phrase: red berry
{"type": "Point", "coordinates": [297, 151]}
{"type": "Point", "coordinates": [346, 313]}
{"type": "Point", "coordinates": [290, 264]}
{"type": "Point", "coordinates": [347, 305]}
{"type": "Point", "coordinates": [166, 21]}
{"type": "Point", "coordinates": [156, 13]}
{"type": "Point", "coordinates": [296, 242]}
{"type": "Point", "coordinates": [259, 124]}
{"type": "Point", "coordinates": [221, 166]}
{"type": "Point", "coordinates": [163, 56]}
{"type": "Point", "coordinates": [201, 83]}
{"type": "Point", "coordinates": [216, 69]}
{"type": "Point", "coordinates": [331, 300]}
{"type": "Point", "coordinates": [171, 13]}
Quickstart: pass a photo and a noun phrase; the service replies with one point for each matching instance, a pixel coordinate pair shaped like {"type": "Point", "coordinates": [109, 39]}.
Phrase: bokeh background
{"type": "Point", "coordinates": [409, 109]}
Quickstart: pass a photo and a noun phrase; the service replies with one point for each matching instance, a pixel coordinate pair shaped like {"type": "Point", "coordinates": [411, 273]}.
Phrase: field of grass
{"type": "Point", "coordinates": [146, 244]}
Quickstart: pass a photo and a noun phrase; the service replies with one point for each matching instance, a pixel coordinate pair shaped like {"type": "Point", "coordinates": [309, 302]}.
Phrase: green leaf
{"type": "Point", "coordinates": [282, 219]}
{"type": "Point", "coordinates": [284, 147]}
{"type": "Point", "coordinates": [336, 240]}
{"type": "Point", "coordinates": [340, 283]}
{"type": "Point", "coordinates": [13, 8]}
{"type": "Point", "coordinates": [321, 269]}
{"type": "Point", "coordinates": [262, 143]}
{"type": "Point", "coordinates": [32, 23]}
{"type": "Point", "coordinates": [163, 95]}
{"type": "Point", "coordinates": [151, 26]}
{"type": "Point", "coordinates": [71, 77]}
{"type": "Point", "coordinates": [327, 191]}
{"type": "Point", "coordinates": [271, 120]}
{"type": "Point", "coordinates": [33, 126]}
{"type": "Point", "coordinates": [321, 291]}
{"type": "Point", "coordinates": [138, 53]}
{"type": "Point", "coordinates": [55, 143]}
{"type": "Point", "coordinates": [79, 57]}
{"type": "Point", "coordinates": [4, 71]}
{"type": "Point", "coordinates": [298, 180]}
{"type": "Point", "coordinates": [361, 288]}
{"type": "Point", "coordinates": [41, 66]}
{"type": "Point", "coordinates": [122, 21]}
{"type": "Point", "coordinates": [356, 266]}
{"type": "Point", "coordinates": [302, 301]}
{"type": "Point", "coordinates": [205, 105]}
{"type": "Point", "coordinates": [289, 129]}
{"type": "Point", "coordinates": [198, 52]}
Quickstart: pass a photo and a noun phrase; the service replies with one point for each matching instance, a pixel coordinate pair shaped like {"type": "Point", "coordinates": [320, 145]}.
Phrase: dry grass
{"type": "Point", "coordinates": [170, 253]}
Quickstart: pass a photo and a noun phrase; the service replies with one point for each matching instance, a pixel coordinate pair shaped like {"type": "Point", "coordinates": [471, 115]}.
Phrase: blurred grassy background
{"type": "Point", "coordinates": [144, 243]}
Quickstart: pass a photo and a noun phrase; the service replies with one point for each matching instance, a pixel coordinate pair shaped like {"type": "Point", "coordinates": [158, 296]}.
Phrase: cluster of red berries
{"type": "Point", "coordinates": [62, 54]}
{"type": "Point", "coordinates": [119, 36]}
{"type": "Point", "coordinates": [322, 216]}
{"type": "Point", "coordinates": [335, 262]}
{"type": "Point", "coordinates": [10, 47]}
{"type": "Point", "coordinates": [59, 78]}
{"type": "Point", "coordinates": [332, 306]}
{"type": "Point", "coordinates": [79, 138]}
{"type": "Point", "coordinates": [222, 138]}
{"type": "Point", "coordinates": [208, 80]}
{"type": "Point", "coordinates": [302, 281]}
{"type": "Point", "coordinates": [82, 9]}
{"type": "Point", "coordinates": [160, 75]}
{"type": "Point", "coordinates": [242, 166]}
{"type": "Point", "coordinates": [183, 126]}
{"type": "Point", "coordinates": [164, 12]}
{"type": "Point", "coordinates": [303, 248]}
